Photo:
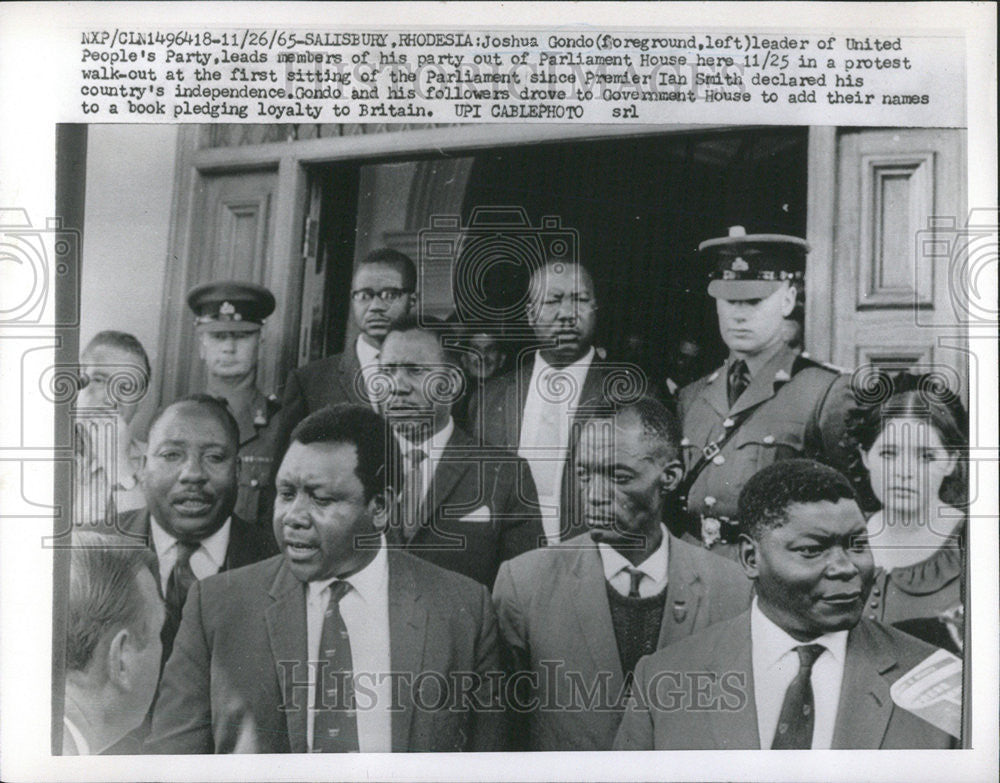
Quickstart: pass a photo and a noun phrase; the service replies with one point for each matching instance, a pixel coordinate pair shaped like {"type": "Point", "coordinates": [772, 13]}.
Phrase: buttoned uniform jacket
{"type": "Point", "coordinates": [793, 407]}
{"type": "Point", "coordinates": [555, 621]}
{"type": "Point", "coordinates": [236, 680]}
{"type": "Point", "coordinates": [258, 420]}
{"type": "Point", "coordinates": [496, 418]}
{"type": "Point", "coordinates": [666, 711]}
{"type": "Point", "coordinates": [480, 510]}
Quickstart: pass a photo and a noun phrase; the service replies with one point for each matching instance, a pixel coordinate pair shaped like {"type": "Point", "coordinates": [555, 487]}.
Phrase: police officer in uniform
{"type": "Point", "coordinates": [769, 401]}
{"type": "Point", "coordinates": [229, 315]}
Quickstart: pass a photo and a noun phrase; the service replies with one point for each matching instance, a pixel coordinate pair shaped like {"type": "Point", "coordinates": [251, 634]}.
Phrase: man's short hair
{"type": "Point", "coordinates": [764, 500]}
{"type": "Point", "coordinates": [103, 593]}
{"type": "Point", "coordinates": [215, 406]}
{"type": "Point", "coordinates": [402, 262]}
{"type": "Point", "coordinates": [583, 272]}
{"type": "Point", "coordinates": [123, 341]}
{"type": "Point", "coordinates": [379, 458]}
{"type": "Point", "coordinates": [658, 424]}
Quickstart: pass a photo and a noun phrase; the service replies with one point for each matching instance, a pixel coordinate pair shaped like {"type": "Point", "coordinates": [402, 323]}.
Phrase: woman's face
{"type": "Point", "coordinates": [907, 463]}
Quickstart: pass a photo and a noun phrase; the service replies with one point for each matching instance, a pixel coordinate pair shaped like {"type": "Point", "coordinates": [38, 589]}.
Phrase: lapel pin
{"type": "Point", "coordinates": [259, 418]}
{"type": "Point", "coordinates": [782, 377]}
{"type": "Point", "coordinates": [728, 423]}
{"type": "Point", "coordinates": [680, 611]}
{"type": "Point", "coordinates": [713, 376]}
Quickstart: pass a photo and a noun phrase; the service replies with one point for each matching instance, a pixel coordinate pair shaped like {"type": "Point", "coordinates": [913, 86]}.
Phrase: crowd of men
{"type": "Point", "coordinates": [422, 549]}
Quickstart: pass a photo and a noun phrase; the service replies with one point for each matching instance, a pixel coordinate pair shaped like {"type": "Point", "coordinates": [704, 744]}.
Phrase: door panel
{"type": "Point", "coordinates": [892, 188]}
{"type": "Point", "coordinates": [232, 227]}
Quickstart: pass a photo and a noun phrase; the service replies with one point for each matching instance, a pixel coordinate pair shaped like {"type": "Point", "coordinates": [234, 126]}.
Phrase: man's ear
{"type": "Point", "coordinates": [671, 476]}
{"type": "Point", "coordinates": [788, 300]}
{"type": "Point", "coordinates": [749, 552]}
{"type": "Point", "coordinates": [201, 346]}
{"type": "Point", "coordinates": [117, 658]}
{"type": "Point", "coordinates": [380, 507]}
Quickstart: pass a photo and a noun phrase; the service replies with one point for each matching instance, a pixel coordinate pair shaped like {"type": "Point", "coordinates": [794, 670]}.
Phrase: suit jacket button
{"type": "Point", "coordinates": [254, 482]}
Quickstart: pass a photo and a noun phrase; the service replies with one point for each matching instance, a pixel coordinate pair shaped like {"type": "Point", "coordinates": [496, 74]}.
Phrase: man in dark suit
{"type": "Point", "coordinates": [383, 292]}
{"type": "Point", "coordinates": [801, 669]}
{"type": "Point", "coordinates": [461, 507]}
{"type": "Point", "coordinates": [579, 614]}
{"type": "Point", "coordinates": [339, 643]}
{"type": "Point", "coordinates": [533, 408]}
{"type": "Point", "coordinates": [189, 478]}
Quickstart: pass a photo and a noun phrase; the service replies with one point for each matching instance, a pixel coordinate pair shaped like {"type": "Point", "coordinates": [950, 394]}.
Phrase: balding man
{"type": "Point", "coordinates": [113, 618]}
{"type": "Point", "coordinates": [460, 508]}
{"type": "Point", "coordinates": [533, 408]}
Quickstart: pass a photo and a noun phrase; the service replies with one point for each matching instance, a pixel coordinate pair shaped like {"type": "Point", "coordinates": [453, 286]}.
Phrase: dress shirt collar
{"type": "Point", "coordinates": [369, 583]}
{"type": "Point", "coordinates": [214, 546]}
{"type": "Point", "coordinates": [770, 643]}
{"type": "Point", "coordinates": [579, 367]}
{"type": "Point", "coordinates": [367, 353]}
{"type": "Point", "coordinates": [433, 445]}
{"type": "Point", "coordinates": [654, 566]}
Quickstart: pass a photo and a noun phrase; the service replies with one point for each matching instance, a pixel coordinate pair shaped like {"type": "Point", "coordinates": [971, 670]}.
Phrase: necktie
{"type": "Point", "coordinates": [181, 577]}
{"type": "Point", "coordinates": [179, 582]}
{"type": "Point", "coordinates": [335, 725]}
{"type": "Point", "coordinates": [412, 494]}
{"type": "Point", "coordinates": [635, 577]}
{"type": "Point", "coordinates": [739, 379]}
{"type": "Point", "coordinates": [795, 724]}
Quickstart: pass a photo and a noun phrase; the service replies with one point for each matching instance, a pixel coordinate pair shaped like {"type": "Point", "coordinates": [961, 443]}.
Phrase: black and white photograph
{"type": "Point", "coordinates": [465, 435]}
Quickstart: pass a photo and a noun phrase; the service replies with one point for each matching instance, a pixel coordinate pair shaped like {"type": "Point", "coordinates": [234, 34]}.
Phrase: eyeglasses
{"type": "Point", "coordinates": [387, 295]}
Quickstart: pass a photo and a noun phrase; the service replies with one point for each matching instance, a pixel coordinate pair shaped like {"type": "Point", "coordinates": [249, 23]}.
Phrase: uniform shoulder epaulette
{"type": "Point", "coordinates": [804, 360]}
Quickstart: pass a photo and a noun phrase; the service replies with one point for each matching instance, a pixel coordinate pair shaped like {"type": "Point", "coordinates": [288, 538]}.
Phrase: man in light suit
{"type": "Point", "coordinates": [575, 617]}
{"type": "Point", "coordinates": [339, 643]}
{"type": "Point", "coordinates": [382, 294]}
{"type": "Point", "coordinates": [462, 508]}
{"type": "Point", "coordinates": [801, 669]}
{"type": "Point", "coordinates": [533, 409]}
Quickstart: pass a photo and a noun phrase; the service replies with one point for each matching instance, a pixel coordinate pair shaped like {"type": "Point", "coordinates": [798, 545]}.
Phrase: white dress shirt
{"type": "Point", "coordinates": [365, 609]}
{"type": "Point", "coordinates": [545, 430]}
{"type": "Point", "coordinates": [775, 664]}
{"type": "Point", "coordinates": [206, 560]}
{"type": "Point", "coordinates": [368, 356]}
{"type": "Point", "coordinates": [433, 447]}
{"type": "Point", "coordinates": [653, 568]}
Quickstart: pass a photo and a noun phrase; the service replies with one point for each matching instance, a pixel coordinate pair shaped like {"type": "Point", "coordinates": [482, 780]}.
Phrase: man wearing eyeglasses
{"type": "Point", "coordinates": [382, 295]}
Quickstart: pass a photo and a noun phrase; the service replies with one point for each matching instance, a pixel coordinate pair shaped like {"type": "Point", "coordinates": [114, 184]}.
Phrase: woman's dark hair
{"type": "Point", "coordinates": [909, 396]}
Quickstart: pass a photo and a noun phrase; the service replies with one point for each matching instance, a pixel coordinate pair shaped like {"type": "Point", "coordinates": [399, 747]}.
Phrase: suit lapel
{"type": "Point", "coordinates": [349, 376]}
{"type": "Point", "coordinates": [865, 704]}
{"type": "Point", "coordinates": [286, 631]}
{"type": "Point", "coordinates": [590, 600]}
{"type": "Point", "coordinates": [736, 729]}
{"type": "Point", "coordinates": [407, 632]}
{"type": "Point", "coordinates": [449, 470]}
{"type": "Point", "coordinates": [684, 594]}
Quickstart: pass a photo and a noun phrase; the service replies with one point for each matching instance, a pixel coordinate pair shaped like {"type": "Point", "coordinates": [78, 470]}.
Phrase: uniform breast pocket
{"type": "Point", "coordinates": [763, 446]}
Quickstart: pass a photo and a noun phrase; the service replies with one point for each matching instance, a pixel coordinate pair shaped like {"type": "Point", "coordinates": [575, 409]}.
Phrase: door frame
{"type": "Point", "coordinates": [292, 161]}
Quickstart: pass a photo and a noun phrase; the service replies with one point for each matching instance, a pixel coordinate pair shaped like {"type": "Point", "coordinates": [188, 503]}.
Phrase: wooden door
{"type": "Point", "coordinates": [900, 195]}
{"type": "Point", "coordinates": [231, 238]}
